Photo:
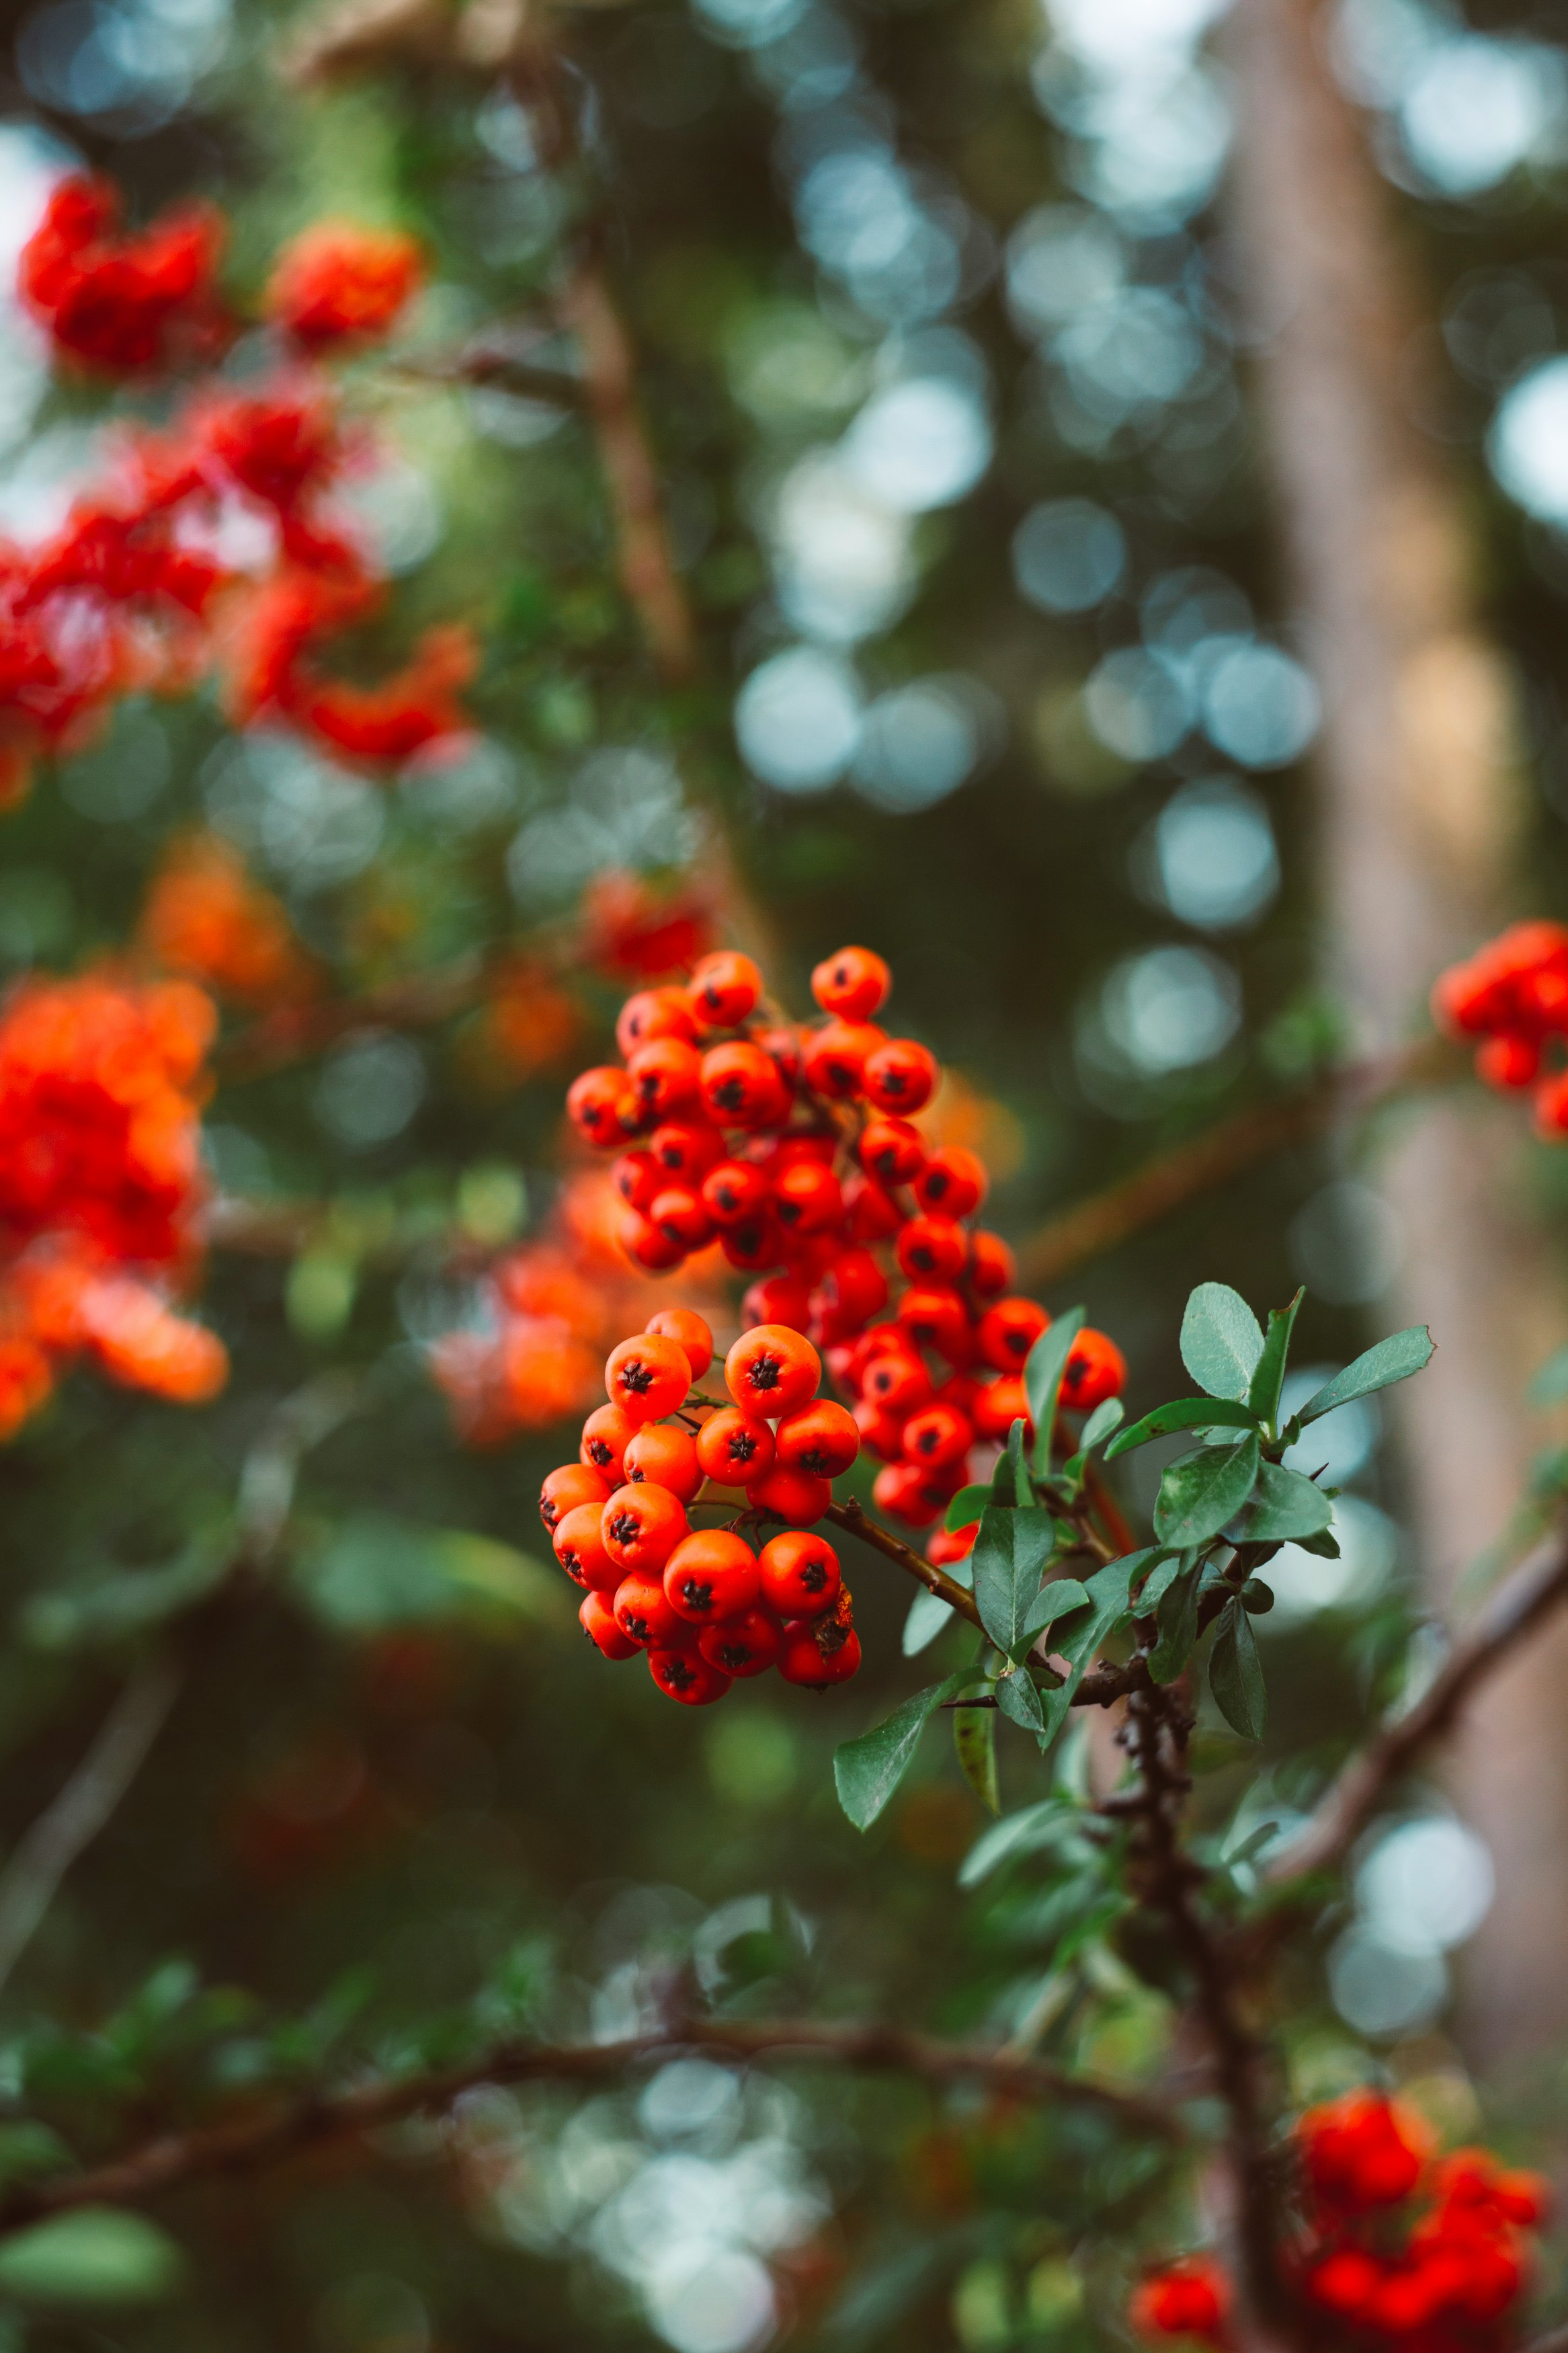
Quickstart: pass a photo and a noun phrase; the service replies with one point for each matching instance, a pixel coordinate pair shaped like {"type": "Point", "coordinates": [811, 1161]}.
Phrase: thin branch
{"type": "Point", "coordinates": [318, 2119]}
{"type": "Point", "coordinates": [1222, 1152]}
{"type": "Point", "coordinates": [1537, 1587]}
{"type": "Point", "coordinates": [85, 1802]}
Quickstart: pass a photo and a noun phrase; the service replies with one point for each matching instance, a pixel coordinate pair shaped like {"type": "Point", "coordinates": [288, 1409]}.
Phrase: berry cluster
{"type": "Point", "coordinates": [795, 1152]}
{"type": "Point", "coordinates": [100, 1187]}
{"type": "Point", "coordinates": [1514, 996]}
{"type": "Point", "coordinates": [205, 918]}
{"type": "Point", "coordinates": [212, 543]}
{"type": "Point", "coordinates": [704, 1606]}
{"type": "Point", "coordinates": [1445, 2279]}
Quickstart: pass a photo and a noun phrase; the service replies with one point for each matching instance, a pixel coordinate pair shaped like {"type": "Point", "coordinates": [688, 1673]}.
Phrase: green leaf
{"type": "Point", "coordinates": [1108, 1590]}
{"type": "Point", "coordinates": [974, 1739]}
{"type": "Point", "coordinates": [1394, 1359]}
{"type": "Point", "coordinates": [1284, 1508]}
{"type": "Point", "coordinates": [929, 1613]}
{"type": "Point", "coordinates": [1052, 1601]}
{"type": "Point", "coordinates": [1010, 1557]}
{"type": "Point", "coordinates": [1183, 1413]}
{"type": "Point", "coordinates": [1157, 1584]}
{"type": "Point", "coordinates": [1018, 1699]}
{"type": "Point", "coordinates": [1014, 1471]}
{"type": "Point", "coordinates": [867, 1771]}
{"type": "Point", "coordinates": [1235, 1674]}
{"type": "Point", "coordinates": [1107, 1415]}
{"type": "Point", "coordinates": [28, 2149]}
{"type": "Point", "coordinates": [97, 2256]}
{"type": "Point", "coordinates": [1269, 1380]}
{"type": "Point", "coordinates": [126, 1602]}
{"type": "Point", "coordinates": [1043, 1380]}
{"type": "Point", "coordinates": [1177, 1620]}
{"type": "Point", "coordinates": [1550, 1386]}
{"type": "Point", "coordinates": [967, 1506]}
{"type": "Point", "coordinates": [1045, 1824]}
{"type": "Point", "coordinates": [1221, 1341]}
{"type": "Point", "coordinates": [1201, 1491]}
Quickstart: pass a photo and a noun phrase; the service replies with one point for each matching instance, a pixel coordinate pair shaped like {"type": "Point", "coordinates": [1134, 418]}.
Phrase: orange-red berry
{"type": "Point", "coordinates": [771, 1371]}
{"type": "Point", "coordinates": [1095, 1369]}
{"type": "Point", "coordinates": [901, 1076]}
{"type": "Point", "coordinates": [800, 1573]}
{"type": "Point", "coordinates": [641, 1525]}
{"type": "Point", "coordinates": [690, 1333]}
{"type": "Point", "coordinates": [647, 1376]}
{"type": "Point", "coordinates": [679, 1214]}
{"type": "Point", "coordinates": [1008, 1331]}
{"type": "Point", "coordinates": [733, 1190]}
{"type": "Point", "coordinates": [577, 1540]}
{"type": "Point", "coordinates": [685, 1675]}
{"type": "Point", "coordinates": [654, 1013]}
{"type": "Point", "coordinates": [896, 1381]}
{"type": "Point", "coordinates": [685, 1149]}
{"type": "Point", "coordinates": [797, 1496]}
{"type": "Point", "coordinates": [933, 1250]}
{"type": "Point", "coordinates": [665, 1075]}
{"type": "Point", "coordinates": [643, 1613]}
{"type": "Point", "coordinates": [891, 1151]}
{"type": "Point", "coordinates": [563, 1490]}
{"type": "Point", "coordinates": [937, 1435]}
{"type": "Point", "coordinates": [710, 1575]}
{"type": "Point", "coordinates": [953, 1182]}
{"type": "Point", "coordinates": [636, 1177]}
{"type": "Point", "coordinates": [604, 1436]}
{"type": "Point", "coordinates": [933, 1315]}
{"type": "Point", "coordinates": [821, 1437]}
{"type": "Point", "coordinates": [807, 1199]}
{"type": "Point", "coordinates": [992, 1266]}
{"type": "Point", "coordinates": [741, 1087]}
{"type": "Point", "coordinates": [597, 1619]}
{"type": "Point", "coordinates": [724, 989]}
{"type": "Point", "coordinates": [666, 1457]}
{"type": "Point", "coordinates": [832, 1059]}
{"type": "Point", "coordinates": [602, 1106]}
{"type": "Point", "coordinates": [744, 1645]}
{"type": "Point", "coordinates": [854, 983]}
{"type": "Point", "coordinates": [804, 1660]}
{"type": "Point", "coordinates": [733, 1447]}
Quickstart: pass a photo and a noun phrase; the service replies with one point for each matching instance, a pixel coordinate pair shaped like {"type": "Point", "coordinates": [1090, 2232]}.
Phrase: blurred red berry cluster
{"type": "Point", "coordinates": [795, 1149]}
{"type": "Point", "coordinates": [1514, 996]}
{"type": "Point", "coordinates": [212, 544]}
{"type": "Point", "coordinates": [205, 918]}
{"type": "Point", "coordinates": [1395, 2249]}
{"type": "Point", "coordinates": [101, 1187]}
{"type": "Point", "coordinates": [703, 1603]}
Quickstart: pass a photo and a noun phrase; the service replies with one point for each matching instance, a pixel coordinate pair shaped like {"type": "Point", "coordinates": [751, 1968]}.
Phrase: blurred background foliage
{"type": "Point", "coordinates": [943, 355]}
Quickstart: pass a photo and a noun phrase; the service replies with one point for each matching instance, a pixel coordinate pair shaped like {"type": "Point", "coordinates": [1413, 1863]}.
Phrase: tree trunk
{"type": "Point", "coordinates": [1419, 810]}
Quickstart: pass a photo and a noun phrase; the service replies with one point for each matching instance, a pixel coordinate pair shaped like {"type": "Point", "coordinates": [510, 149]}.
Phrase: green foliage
{"type": "Point", "coordinates": [867, 1770]}
{"type": "Point", "coordinates": [1235, 1674]}
{"type": "Point", "coordinates": [1394, 1359]}
{"type": "Point", "coordinates": [95, 2256]}
{"type": "Point", "coordinates": [1222, 1342]}
{"type": "Point", "coordinates": [1011, 1553]}
{"type": "Point", "coordinates": [1203, 1490]}
{"type": "Point", "coordinates": [1042, 1379]}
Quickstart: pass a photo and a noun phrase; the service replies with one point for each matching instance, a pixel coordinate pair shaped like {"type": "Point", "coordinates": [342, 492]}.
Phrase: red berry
{"type": "Point", "coordinates": [1187, 2299]}
{"type": "Point", "coordinates": [854, 983]}
{"type": "Point", "coordinates": [563, 1490]}
{"type": "Point", "coordinates": [686, 1676]}
{"type": "Point", "coordinates": [647, 1376]}
{"type": "Point", "coordinates": [937, 1435]}
{"type": "Point", "coordinates": [852, 1288]}
{"type": "Point", "coordinates": [665, 1456]}
{"type": "Point", "coordinates": [579, 1545]}
{"type": "Point", "coordinates": [1008, 1331]}
{"type": "Point", "coordinates": [733, 1190]}
{"type": "Point", "coordinates": [833, 1057]}
{"type": "Point", "coordinates": [933, 1315]}
{"type": "Point", "coordinates": [746, 1645]}
{"type": "Point", "coordinates": [602, 1106]}
{"type": "Point", "coordinates": [733, 1447]}
{"type": "Point", "coordinates": [901, 1076]}
{"type": "Point", "coordinates": [896, 1381]}
{"type": "Point", "coordinates": [678, 1213]}
{"type": "Point", "coordinates": [950, 1544]}
{"type": "Point", "coordinates": [644, 1615]}
{"type": "Point", "coordinates": [647, 1245]}
{"type": "Point", "coordinates": [953, 1182]}
{"type": "Point", "coordinates": [654, 1013]}
{"type": "Point", "coordinates": [754, 1241]}
{"type": "Point", "coordinates": [686, 1149]}
{"type": "Point", "coordinates": [1509, 1062]}
{"type": "Point", "coordinates": [710, 1575]}
{"type": "Point", "coordinates": [597, 1619]}
{"type": "Point", "coordinates": [821, 1437]}
{"type": "Point", "coordinates": [870, 1212]}
{"type": "Point", "coordinates": [777, 1299]}
{"type": "Point", "coordinates": [797, 1496]}
{"type": "Point", "coordinates": [741, 1087]}
{"type": "Point", "coordinates": [933, 1250]}
{"type": "Point", "coordinates": [604, 1448]}
{"type": "Point", "coordinates": [807, 1199]}
{"type": "Point", "coordinates": [992, 1266]}
{"type": "Point", "coordinates": [690, 1333]}
{"type": "Point", "coordinates": [907, 1491]}
{"type": "Point", "coordinates": [881, 1433]}
{"type": "Point", "coordinates": [800, 1573]}
{"type": "Point", "coordinates": [1095, 1369]}
{"type": "Point", "coordinates": [665, 1075]}
{"type": "Point", "coordinates": [804, 1660]}
{"type": "Point", "coordinates": [891, 1151]}
{"type": "Point", "coordinates": [641, 1525]}
{"type": "Point", "coordinates": [636, 1177]}
{"type": "Point", "coordinates": [997, 1408]}
{"type": "Point", "coordinates": [814, 1143]}
{"type": "Point", "coordinates": [771, 1371]}
{"type": "Point", "coordinates": [724, 989]}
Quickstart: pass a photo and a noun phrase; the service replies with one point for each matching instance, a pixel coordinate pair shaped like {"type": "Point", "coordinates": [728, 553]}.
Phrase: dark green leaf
{"type": "Point", "coordinates": [1052, 1601]}
{"type": "Point", "coordinates": [1285, 1507]}
{"type": "Point", "coordinates": [1183, 1413]}
{"type": "Point", "coordinates": [1256, 1598]}
{"type": "Point", "coordinates": [1045, 1824]}
{"type": "Point", "coordinates": [373, 1571]}
{"type": "Point", "coordinates": [974, 1739]}
{"type": "Point", "coordinates": [1043, 1380]}
{"type": "Point", "coordinates": [1394, 1359]}
{"type": "Point", "coordinates": [1221, 1340]}
{"type": "Point", "coordinates": [1177, 1620]}
{"type": "Point", "coordinates": [1268, 1381]}
{"type": "Point", "coordinates": [1235, 1674]}
{"type": "Point", "coordinates": [966, 1507]}
{"type": "Point", "coordinates": [1010, 1557]}
{"type": "Point", "coordinates": [1107, 1415]}
{"type": "Point", "coordinates": [1083, 1633]}
{"type": "Point", "coordinates": [1013, 1472]}
{"type": "Point", "coordinates": [1158, 1582]}
{"type": "Point", "coordinates": [1202, 1490]}
{"type": "Point", "coordinates": [1018, 1699]}
{"type": "Point", "coordinates": [97, 2256]}
{"type": "Point", "coordinates": [867, 1771]}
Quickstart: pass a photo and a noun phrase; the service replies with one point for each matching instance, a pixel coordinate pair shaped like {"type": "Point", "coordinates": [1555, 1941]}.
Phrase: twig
{"type": "Point", "coordinates": [1190, 1169]}
{"type": "Point", "coordinates": [84, 1803]}
{"type": "Point", "coordinates": [1536, 1587]}
{"type": "Point", "coordinates": [1166, 1880]}
{"type": "Point", "coordinates": [317, 2118]}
